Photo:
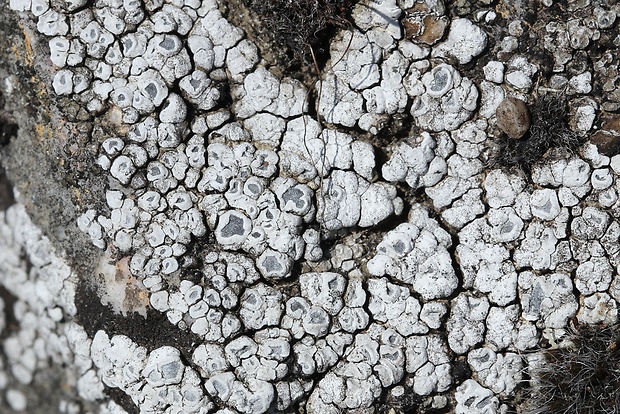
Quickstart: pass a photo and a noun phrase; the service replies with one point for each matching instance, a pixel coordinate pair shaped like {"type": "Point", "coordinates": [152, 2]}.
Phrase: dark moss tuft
{"type": "Point", "coordinates": [549, 129]}
{"type": "Point", "coordinates": [298, 25]}
{"type": "Point", "coordinates": [583, 377]}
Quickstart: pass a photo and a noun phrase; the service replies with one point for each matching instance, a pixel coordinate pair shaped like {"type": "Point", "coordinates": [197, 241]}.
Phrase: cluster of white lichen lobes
{"type": "Point", "coordinates": [482, 269]}
{"type": "Point", "coordinates": [43, 287]}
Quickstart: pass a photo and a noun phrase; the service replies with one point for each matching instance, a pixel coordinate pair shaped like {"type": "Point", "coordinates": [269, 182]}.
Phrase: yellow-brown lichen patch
{"type": "Point", "coordinates": [77, 194]}
{"type": "Point", "coordinates": [43, 132]}
{"type": "Point", "coordinates": [503, 10]}
{"type": "Point", "coordinates": [39, 88]}
{"type": "Point", "coordinates": [53, 132]}
{"type": "Point", "coordinates": [24, 52]}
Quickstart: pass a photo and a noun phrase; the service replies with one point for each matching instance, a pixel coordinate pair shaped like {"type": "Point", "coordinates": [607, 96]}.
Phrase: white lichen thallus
{"type": "Point", "coordinates": [319, 80]}
{"type": "Point", "coordinates": [344, 24]}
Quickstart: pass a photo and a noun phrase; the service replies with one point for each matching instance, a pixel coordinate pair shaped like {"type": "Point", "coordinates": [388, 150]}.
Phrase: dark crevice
{"type": "Point", "coordinates": [456, 265]}
{"type": "Point", "coordinates": [122, 399]}
{"type": "Point", "coordinates": [6, 191]}
{"type": "Point", "coordinates": [461, 371]}
{"type": "Point", "coordinates": [8, 130]}
{"type": "Point", "coordinates": [398, 127]}
{"type": "Point", "coordinates": [11, 323]}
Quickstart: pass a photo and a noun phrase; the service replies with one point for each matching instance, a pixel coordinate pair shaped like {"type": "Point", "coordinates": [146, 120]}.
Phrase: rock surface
{"type": "Point", "coordinates": [189, 225]}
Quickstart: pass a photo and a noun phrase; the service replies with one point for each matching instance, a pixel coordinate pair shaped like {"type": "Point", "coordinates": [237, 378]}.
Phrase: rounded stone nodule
{"type": "Point", "coordinates": [513, 117]}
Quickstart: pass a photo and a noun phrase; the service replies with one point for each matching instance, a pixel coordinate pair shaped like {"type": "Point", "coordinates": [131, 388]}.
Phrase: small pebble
{"type": "Point", "coordinates": [513, 117]}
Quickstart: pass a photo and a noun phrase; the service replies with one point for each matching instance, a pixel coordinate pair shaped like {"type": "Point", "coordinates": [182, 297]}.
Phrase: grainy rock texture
{"type": "Point", "coordinates": [199, 217]}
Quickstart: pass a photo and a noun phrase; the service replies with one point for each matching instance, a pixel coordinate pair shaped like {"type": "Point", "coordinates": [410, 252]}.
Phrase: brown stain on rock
{"type": "Point", "coordinates": [423, 26]}
{"type": "Point", "coordinates": [434, 29]}
{"type": "Point", "coordinates": [607, 139]}
{"type": "Point", "coordinates": [611, 124]}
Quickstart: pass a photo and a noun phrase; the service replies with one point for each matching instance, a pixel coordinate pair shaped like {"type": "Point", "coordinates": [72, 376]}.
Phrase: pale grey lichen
{"type": "Point", "coordinates": [312, 265]}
